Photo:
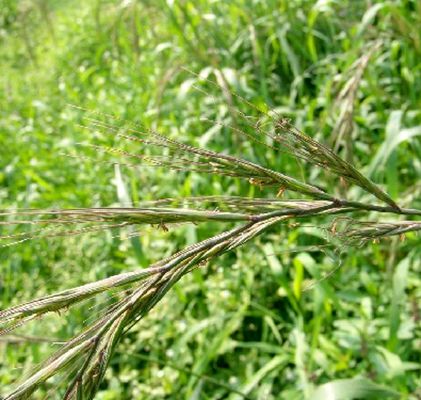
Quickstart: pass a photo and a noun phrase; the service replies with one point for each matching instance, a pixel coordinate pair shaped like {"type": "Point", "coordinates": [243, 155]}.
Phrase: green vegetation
{"type": "Point", "coordinates": [315, 304]}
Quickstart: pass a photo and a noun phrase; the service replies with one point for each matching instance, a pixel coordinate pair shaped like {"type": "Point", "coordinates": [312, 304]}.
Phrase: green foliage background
{"type": "Point", "coordinates": [244, 322]}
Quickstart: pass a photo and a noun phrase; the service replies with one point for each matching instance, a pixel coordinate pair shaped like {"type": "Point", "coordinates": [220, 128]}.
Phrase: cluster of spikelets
{"type": "Point", "coordinates": [85, 357]}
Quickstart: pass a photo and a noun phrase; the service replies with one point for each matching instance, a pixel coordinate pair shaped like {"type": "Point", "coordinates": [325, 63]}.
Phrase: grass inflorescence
{"type": "Point", "coordinates": [260, 215]}
{"type": "Point", "coordinates": [85, 357]}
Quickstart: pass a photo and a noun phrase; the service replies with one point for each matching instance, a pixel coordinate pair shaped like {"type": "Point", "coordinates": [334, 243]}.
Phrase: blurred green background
{"type": "Point", "coordinates": [244, 323]}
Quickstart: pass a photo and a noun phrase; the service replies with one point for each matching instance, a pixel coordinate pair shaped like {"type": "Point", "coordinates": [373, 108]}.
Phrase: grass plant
{"type": "Point", "coordinates": [86, 356]}
{"type": "Point", "coordinates": [247, 227]}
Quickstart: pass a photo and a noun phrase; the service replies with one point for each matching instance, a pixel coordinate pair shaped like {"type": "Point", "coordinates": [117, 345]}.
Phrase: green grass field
{"type": "Point", "coordinates": [279, 317]}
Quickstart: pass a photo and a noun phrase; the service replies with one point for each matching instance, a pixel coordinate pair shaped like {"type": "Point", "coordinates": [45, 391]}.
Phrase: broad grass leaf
{"type": "Point", "coordinates": [391, 365]}
{"type": "Point", "coordinates": [400, 280]}
{"type": "Point", "coordinates": [394, 137]}
{"type": "Point", "coordinates": [349, 389]}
